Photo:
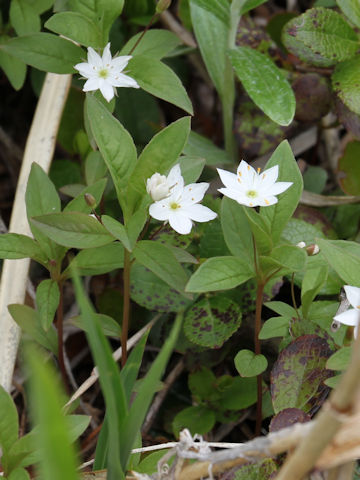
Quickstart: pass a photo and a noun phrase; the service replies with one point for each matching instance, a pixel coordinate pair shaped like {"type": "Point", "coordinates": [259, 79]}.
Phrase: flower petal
{"type": "Point", "coordinates": [268, 177]}
{"type": "Point", "coordinates": [91, 84]}
{"type": "Point", "coordinates": [193, 193]}
{"type": "Point", "coordinates": [107, 90]}
{"type": "Point", "coordinates": [350, 317]}
{"type": "Point", "coordinates": [120, 62]}
{"type": "Point", "coordinates": [106, 56]}
{"type": "Point", "coordinates": [353, 295]}
{"type": "Point", "coordinates": [199, 213]}
{"type": "Point", "coordinates": [159, 210]}
{"type": "Point", "coordinates": [175, 176]}
{"type": "Point", "coordinates": [86, 70]}
{"type": "Point", "coordinates": [180, 223]}
{"type": "Point", "coordinates": [247, 174]}
{"type": "Point", "coordinates": [229, 179]}
{"type": "Point", "coordinates": [267, 200]}
{"type": "Point", "coordinates": [277, 188]}
{"type": "Point", "coordinates": [94, 58]}
{"type": "Point", "coordinates": [230, 193]}
{"type": "Point", "coordinates": [121, 80]}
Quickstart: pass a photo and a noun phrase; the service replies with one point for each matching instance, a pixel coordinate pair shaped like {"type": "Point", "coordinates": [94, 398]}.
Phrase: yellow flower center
{"type": "Point", "coordinates": [103, 73]}
{"type": "Point", "coordinates": [251, 193]}
{"type": "Point", "coordinates": [174, 206]}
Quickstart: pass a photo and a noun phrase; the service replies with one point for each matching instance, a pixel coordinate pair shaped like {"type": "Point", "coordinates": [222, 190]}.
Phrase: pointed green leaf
{"type": "Point", "coordinates": [47, 301]}
{"type": "Point", "coordinates": [219, 8]}
{"type": "Point", "coordinates": [45, 51]}
{"type": "Point", "coordinates": [99, 260]}
{"type": "Point", "coordinates": [158, 79]}
{"type": "Point", "coordinates": [220, 273]}
{"type": "Point", "coordinates": [74, 230]}
{"type": "Point", "coordinates": [14, 245]}
{"type": "Point", "coordinates": [14, 68]}
{"type": "Point", "coordinates": [351, 9]}
{"type": "Point", "coordinates": [344, 258]}
{"type": "Point", "coordinates": [313, 281]}
{"type": "Point", "coordinates": [345, 83]}
{"type": "Point", "coordinates": [9, 423]}
{"type": "Point", "coordinates": [78, 204]}
{"type": "Point", "coordinates": [76, 26]}
{"type": "Point", "coordinates": [279, 214]}
{"type": "Point", "coordinates": [118, 230]}
{"type": "Point", "coordinates": [265, 83]}
{"type": "Point", "coordinates": [155, 43]}
{"type": "Point", "coordinates": [114, 142]}
{"type": "Point", "coordinates": [161, 261]}
{"type": "Point", "coordinates": [23, 18]}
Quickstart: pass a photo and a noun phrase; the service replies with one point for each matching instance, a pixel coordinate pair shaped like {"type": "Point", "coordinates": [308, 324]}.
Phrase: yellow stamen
{"type": "Point", "coordinates": [239, 180]}
{"type": "Point", "coordinates": [250, 204]}
{"type": "Point", "coordinates": [240, 174]}
{"type": "Point", "coordinates": [248, 167]}
{"type": "Point", "coordinates": [259, 170]}
{"type": "Point", "coordinates": [263, 175]}
{"type": "Point", "coordinates": [267, 202]}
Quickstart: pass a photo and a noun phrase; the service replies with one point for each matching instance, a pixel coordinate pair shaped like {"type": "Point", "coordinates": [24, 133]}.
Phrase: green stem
{"type": "Point", "coordinates": [228, 95]}
{"type": "Point", "coordinates": [293, 295]}
{"type": "Point", "coordinates": [143, 33]}
{"type": "Point", "coordinates": [259, 303]}
{"type": "Point", "coordinates": [126, 306]}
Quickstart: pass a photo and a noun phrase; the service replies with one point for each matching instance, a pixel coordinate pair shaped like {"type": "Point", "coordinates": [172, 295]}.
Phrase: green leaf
{"type": "Point", "coordinates": [78, 204]}
{"type": "Point", "coordinates": [111, 385]}
{"type": "Point", "coordinates": [154, 44]}
{"type": "Point", "coordinates": [72, 229]}
{"type": "Point", "coordinates": [351, 8]}
{"type": "Point", "coordinates": [95, 167]}
{"type": "Point", "coordinates": [76, 26]}
{"type": "Point", "coordinates": [200, 146]}
{"type": "Point", "coordinates": [339, 360]}
{"type": "Point", "coordinates": [240, 394]}
{"type": "Point", "coordinates": [45, 51]}
{"type": "Point", "coordinates": [250, 5]}
{"type": "Point", "coordinates": [161, 261]}
{"type": "Point", "coordinates": [320, 36]}
{"type": "Point", "coordinates": [313, 281]}
{"type": "Point", "coordinates": [47, 302]}
{"type": "Point", "coordinates": [344, 257]}
{"type": "Point", "coordinates": [148, 388]}
{"type": "Point", "coordinates": [19, 474]}
{"type": "Point", "coordinates": [58, 458]}
{"type": "Point", "coordinates": [305, 358]}
{"type": "Point", "coordinates": [213, 46]}
{"type": "Point", "coordinates": [279, 214]}
{"type": "Point", "coordinates": [260, 228]}
{"type": "Point", "coordinates": [198, 419]}
{"type": "Point", "coordinates": [9, 423]}
{"type": "Point", "coordinates": [349, 169]}
{"type": "Point", "coordinates": [220, 273]}
{"type": "Point", "coordinates": [29, 322]}
{"type": "Point", "coordinates": [118, 230]}
{"type": "Point", "coordinates": [248, 364]}
{"type": "Point", "coordinates": [97, 261]}
{"type": "Point", "coordinates": [137, 222]}
{"type": "Point", "coordinates": [281, 308]}
{"type": "Point", "coordinates": [191, 168]}
{"type": "Point", "coordinates": [333, 382]}
{"type": "Point", "coordinates": [14, 245]}
{"type": "Point", "coordinates": [23, 17]}
{"type": "Point", "coordinates": [212, 321]}
{"type": "Point", "coordinates": [41, 198]}
{"type": "Point", "coordinates": [237, 233]}
{"type": "Point", "coordinates": [158, 79]}
{"type": "Point", "coordinates": [14, 68]}
{"type": "Point", "coordinates": [265, 83]}
{"type": "Point", "coordinates": [114, 142]}
{"type": "Point", "coordinates": [345, 84]}
{"type": "Point", "coordinates": [274, 327]}
{"type": "Point", "coordinates": [158, 156]}
{"type": "Point", "coordinates": [109, 326]}
{"type": "Point", "coordinates": [219, 8]}
{"type": "Point", "coordinates": [148, 291]}
{"type": "Point", "coordinates": [286, 258]}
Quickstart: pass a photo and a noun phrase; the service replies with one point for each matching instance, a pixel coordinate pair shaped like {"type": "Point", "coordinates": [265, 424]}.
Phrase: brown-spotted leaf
{"type": "Point", "coordinates": [288, 417]}
{"type": "Point", "coordinates": [297, 377]}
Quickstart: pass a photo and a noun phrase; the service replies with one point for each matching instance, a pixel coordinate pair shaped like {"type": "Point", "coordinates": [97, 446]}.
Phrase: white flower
{"type": "Point", "coordinates": [252, 188]}
{"type": "Point", "coordinates": [159, 186]}
{"type": "Point", "coordinates": [351, 316]}
{"type": "Point", "coordinates": [182, 205]}
{"type": "Point", "coordinates": [104, 72]}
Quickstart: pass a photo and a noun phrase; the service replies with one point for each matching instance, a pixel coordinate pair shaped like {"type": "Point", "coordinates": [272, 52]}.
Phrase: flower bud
{"type": "Point", "coordinates": [301, 244]}
{"type": "Point", "coordinates": [157, 187]}
{"type": "Point", "coordinates": [90, 200]}
{"type": "Point", "coordinates": [162, 5]}
{"type": "Point", "coordinates": [312, 249]}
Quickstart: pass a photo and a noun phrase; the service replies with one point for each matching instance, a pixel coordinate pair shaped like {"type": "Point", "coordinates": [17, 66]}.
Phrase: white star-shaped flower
{"type": "Point", "coordinates": [351, 316]}
{"type": "Point", "coordinates": [159, 186]}
{"type": "Point", "coordinates": [252, 188]}
{"type": "Point", "coordinates": [181, 207]}
{"type": "Point", "coordinates": [104, 73]}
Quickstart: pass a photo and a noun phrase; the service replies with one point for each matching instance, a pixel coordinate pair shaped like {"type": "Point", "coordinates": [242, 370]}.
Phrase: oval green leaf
{"type": "Point", "coordinates": [248, 364]}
